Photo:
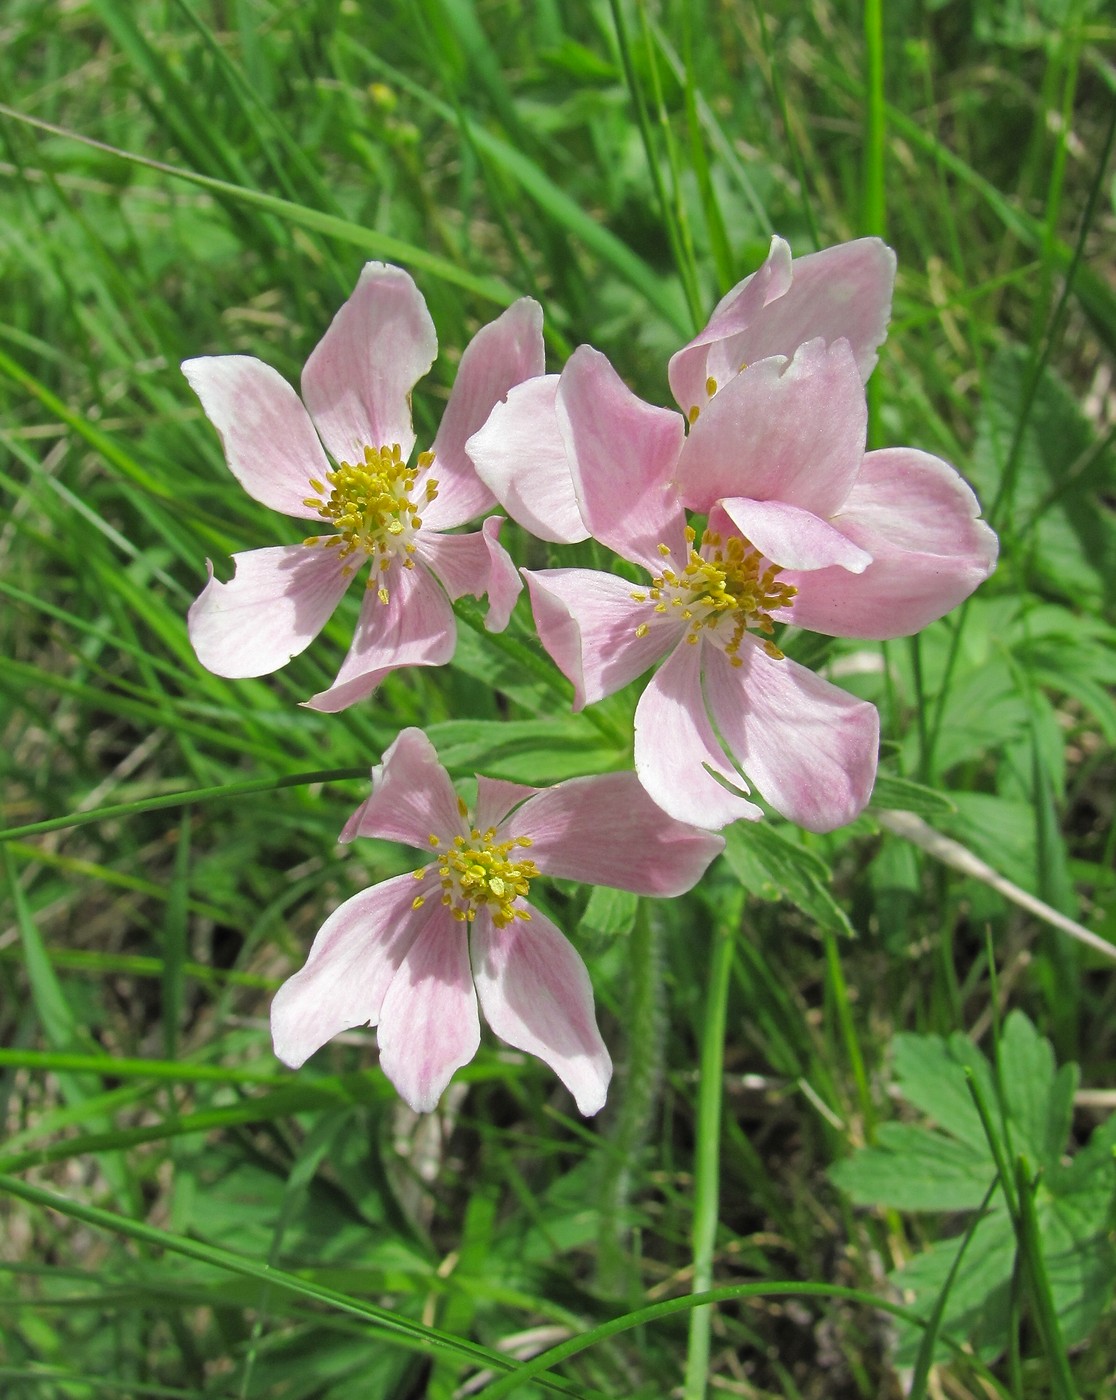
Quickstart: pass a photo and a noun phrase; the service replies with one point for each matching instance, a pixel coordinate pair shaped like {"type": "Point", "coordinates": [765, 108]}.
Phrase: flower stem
{"type": "Point", "coordinates": [707, 1158]}
{"type": "Point", "coordinates": [639, 1092]}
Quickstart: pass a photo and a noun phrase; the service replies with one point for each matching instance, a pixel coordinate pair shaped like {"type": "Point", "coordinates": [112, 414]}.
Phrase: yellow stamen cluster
{"type": "Point", "coordinates": [370, 504]}
{"type": "Point", "coordinates": [726, 582]}
{"type": "Point", "coordinates": [479, 871]}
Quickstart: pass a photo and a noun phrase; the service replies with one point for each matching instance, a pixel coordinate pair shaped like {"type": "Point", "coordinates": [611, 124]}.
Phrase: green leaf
{"type": "Point", "coordinates": [769, 864]}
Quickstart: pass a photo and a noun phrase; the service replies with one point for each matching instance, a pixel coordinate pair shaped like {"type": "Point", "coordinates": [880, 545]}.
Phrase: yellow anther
{"type": "Point", "coordinates": [417, 902]}
{"type": "Point", "coordinates": [664, 550]}
{"type": "Point", "coordinates": [693, 414]}
{"type": "Point", "coordinates": [434, 840]}
{"type": "Point", "coordinates": [369, 503]}
{"type": "Point", "coordinates": [710, 386]}
{"type": "Point", "coordinates": [383, 596]}
{"type": "Point", "coordinates": [642, 630]}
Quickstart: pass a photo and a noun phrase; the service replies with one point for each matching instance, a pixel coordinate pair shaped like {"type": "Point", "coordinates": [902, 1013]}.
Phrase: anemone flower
{"type": "Point", "coordinates": [798, 525]}
{"type": "Point", "coordinates": [415, 954]}
{"type": "Point", "coordinates": [370, 506]}
{"type": "Point", "coordinates": [841, 293]}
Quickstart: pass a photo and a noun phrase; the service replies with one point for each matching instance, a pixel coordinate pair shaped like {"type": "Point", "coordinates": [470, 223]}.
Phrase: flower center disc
{"type": "Point", "coordinates": [371, 507]}
{"type": "Point", "coordinates": [480, 872]}
{"type": "Point", "coordinates": [726, 581]}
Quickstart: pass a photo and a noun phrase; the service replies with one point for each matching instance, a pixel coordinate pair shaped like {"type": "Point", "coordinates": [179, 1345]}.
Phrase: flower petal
{"type": "Point", "coordinates": [272, 609]}
{"type": "Point", "coordinates": [520, 455]}
{"type": "Point", "coordinates": [622, 453]}
{"type": "Point", "coordinates": [675, 747]}
{"type": "Point", "coordinates": [495, 799]}
{"type": "Point", "coordinates": [930, 550]}
{"type": "Point", "coordinates": [352, 961]}
{"type": "Point", "coordinates": [607, 830]}
{"type": "Point", "coordinates": [792, 537]}
{"type": "Point", "coordinates": [475, 564]}
{"type": "Point", "coordinates": [501, 355]}
{"type": "Point", "coordinates": [809, 747]}
{"type": "Point", "coordinates": [791, 432]}
{"type": "Point", "coordinates": [414, 628]}
{"type": "Point", "coordinates": [587, 621]}
{"type": "Point", "coordinates": [713, 351]}
{"type": "Point", "coordinates": [358, 380]}
{"type": "Point", "coordinates": [429, 1026]}
{"type": "Point", "coordinates": [412, 798]}
{"type": "Point", "coordinates": [536, 995]}
{"type": "Point", "coordinates": [270, 443]}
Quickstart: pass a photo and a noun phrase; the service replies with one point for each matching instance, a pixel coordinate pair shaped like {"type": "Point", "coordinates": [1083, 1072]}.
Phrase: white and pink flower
{"type": "Point", "coordinates": [843, 292]}
{"type": "Point", "coordinates": [372, 507]}
{"type": "Point", "coordinates": [800, 526]}
{"type": "Point", "coordinates": [415, 954]}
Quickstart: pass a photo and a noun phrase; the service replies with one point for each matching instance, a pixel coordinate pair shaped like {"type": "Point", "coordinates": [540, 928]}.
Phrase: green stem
{"type": "Point", "coordinates": [639, 1092]}
{"type": "Point", "coordinates": [707, 1159]}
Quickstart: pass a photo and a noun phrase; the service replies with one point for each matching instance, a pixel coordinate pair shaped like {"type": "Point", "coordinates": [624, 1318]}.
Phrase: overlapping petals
{"type": "Point", "coordinates": [414, 954]}
{"type": "Point", "coordinates": [801, 527]}
{"type": "Point", "coordinates": [372, 505]}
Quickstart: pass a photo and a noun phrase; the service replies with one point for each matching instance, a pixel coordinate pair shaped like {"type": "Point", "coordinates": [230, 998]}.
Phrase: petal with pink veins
{"type": "Point", "coordinates": [500, 356]}
{"type": "Point", "coordinates": [412, 798]}
{"type": "Point", "coordinates": [623, 454]}
{"type": "Point", "coordinates": [809, 748]}
{"type": "Point", "coordinates": [414, 628]}
{"type": "Point", "coordinates": [495, 799]}
{"type": "Point", "coordinates": [588, 620]}
{"type": "Point", "coordinates": [520, 454]}
{"type": "Point", "coordinates": [792, 537]}
{"type": "Point", "coordinates": [272, 609]}
{"type": "Point", "coordinates": [607, 830]}
{"type": "Point", "coordinates": [675, 747]}
{"type": "Point", "coordinates": [929, 547]}
{"type": "Point", "coordinates": [429, 1026]}
{"type": "Point", "coordinates": [791, 432]}
{"type": "Point", "coordinates": [842, 292]}
{"type": "Point", "coordinates": [475, 564]}
{"type": "Point", "coordinates": [270, 443]}
{"type": "Point", "coordinates": [713, 352]}
{"type": "Point", "coordinates": [536, 995]}
{"type": "Point", "coordinates": [357, 382]}
{"type": "Point", "coordinates": [352, 961]}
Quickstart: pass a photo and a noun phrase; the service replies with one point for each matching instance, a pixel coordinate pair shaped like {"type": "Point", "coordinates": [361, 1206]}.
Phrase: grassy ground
{"type": "Point", "coordinates": [181, 1217]}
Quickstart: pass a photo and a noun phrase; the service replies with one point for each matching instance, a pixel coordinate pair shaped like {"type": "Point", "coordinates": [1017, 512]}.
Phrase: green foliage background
{"type": "Point", "coordinates": [182, 1217]}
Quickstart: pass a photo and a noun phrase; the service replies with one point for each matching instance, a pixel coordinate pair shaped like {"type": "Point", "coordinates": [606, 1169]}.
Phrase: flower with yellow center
{"type": "Point", "coordinates": [417, 965]}
{"type": "Point", "coordinates": [375, 507]}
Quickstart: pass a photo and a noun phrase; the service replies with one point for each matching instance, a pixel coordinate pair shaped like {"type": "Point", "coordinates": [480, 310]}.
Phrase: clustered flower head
{"type": "Point", "coordinates": [752, 512]}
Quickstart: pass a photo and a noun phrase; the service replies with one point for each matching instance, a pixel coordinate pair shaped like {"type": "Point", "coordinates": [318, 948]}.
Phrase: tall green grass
{"type": "Point", "coordinates": [182, 1217]}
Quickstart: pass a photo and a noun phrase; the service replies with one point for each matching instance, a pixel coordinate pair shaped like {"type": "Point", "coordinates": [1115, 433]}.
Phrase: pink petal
{"type": "Point", "coordinates": [475, 564]}
{"type": "Point", "coordinates": [713, 352]}
{"type": "Point", "coordinates": [587, 621]}
{"type": "Point", "coordinates": [607, 830]}
{"type": "Point", "coordinates": [791, 432]}
{"type": "Point", "coordinates": [520, 454]}
{"type": "Point", "coordinates": [808, 747]}
{"type": "Point", "coordinates": [412, 798]}
{"type": "Point", "coordinates": [352, 961]}
{"type": "Point", "coordinates": [270, 443]}
{"type": "Point", "coordinates": [414, 628]}
{"type": "Point", "coordinates": [496, 798]}
{"type": "Point", "coordinates": [272, 609]}
{"type": "Point", "coordinates": [622, 453]}
{"type": "Point", "coordinates": [792, 537]}
{"type": "Point", "coordinates": [675, 746]}
{"type": "Point", "coordinates": [429, 1025]}
{"type": "Point", "coordinates": [501, 355]}
{"type": "Point", "coordinates": [536, 995]}
{"type": "Point", "coordinates": [930, 550]}
{"type": "Point", "coordinates": [358, 380]}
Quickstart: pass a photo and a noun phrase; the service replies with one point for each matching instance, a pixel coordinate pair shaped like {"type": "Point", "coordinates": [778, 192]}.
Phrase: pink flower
{"type": "Point", "coordinates": [371, 505]}
{"type": "Point", "coordinates": [802, 527]}
{"type": "Point", "coordinates": [842, 292]}
{"type": "Point", "coordinates": [414, 954]}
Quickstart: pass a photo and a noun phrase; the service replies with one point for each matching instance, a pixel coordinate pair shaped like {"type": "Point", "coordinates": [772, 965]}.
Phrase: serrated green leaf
{"type": "Point", "coordinates": [1039, 1100]}
{"type": "Point", "coordinates": [930, 1073]}
{"type": "Point", "coordinates": [770, 865]}
{"type": "Point", "coordinates": [911, 1168]}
